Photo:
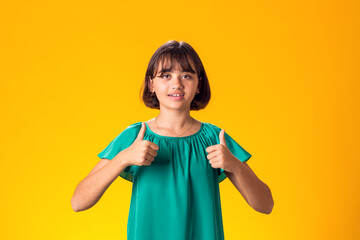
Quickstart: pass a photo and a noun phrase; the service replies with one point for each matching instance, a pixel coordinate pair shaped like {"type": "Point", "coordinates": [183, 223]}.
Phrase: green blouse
{"type": "Point", "coordinates": [177, 197]}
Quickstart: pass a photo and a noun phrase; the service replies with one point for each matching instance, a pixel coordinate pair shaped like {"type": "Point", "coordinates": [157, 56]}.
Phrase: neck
{"type": "Point", "coordinates": [174, 120]}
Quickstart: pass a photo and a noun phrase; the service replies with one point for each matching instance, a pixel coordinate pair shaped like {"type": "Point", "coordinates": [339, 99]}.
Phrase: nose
{"type": "Point", "coordinates": [177, 82]}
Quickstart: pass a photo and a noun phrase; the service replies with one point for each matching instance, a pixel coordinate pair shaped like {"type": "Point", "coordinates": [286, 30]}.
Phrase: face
{"type": "Point", "coordinates": [173, 81]}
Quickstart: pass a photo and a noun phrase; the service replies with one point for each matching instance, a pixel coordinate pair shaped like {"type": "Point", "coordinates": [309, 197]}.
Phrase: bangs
{"type": "Point", "coordinates": [168, 61]}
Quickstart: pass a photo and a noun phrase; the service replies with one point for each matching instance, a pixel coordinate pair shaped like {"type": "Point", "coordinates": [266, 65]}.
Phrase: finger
{"type": "Point", "coordinates": [211, 148]}
{"type": "Point", "coordinates": [141, 133]}
{"type": "Point", "coordinates": [149, 157]}
{"type": "Point", "coordinates": [211, 155]}
{"type": "Point", "coordinates": [152, 152]}
{"type": "Point", "coordinates": [153, 146]}
{"type": "Point", "coordinates": [147, 162]}
{"type": "Point", "coordinates": [222, 137]}
{"type": "Point", "coordinates": [216, 165]}
{"type": "Point", "coordinates": [214, 160]}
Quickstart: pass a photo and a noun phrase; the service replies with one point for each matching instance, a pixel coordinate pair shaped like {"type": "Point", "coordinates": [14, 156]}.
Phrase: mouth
{"type": "Point", "coordinates": [176, 96]}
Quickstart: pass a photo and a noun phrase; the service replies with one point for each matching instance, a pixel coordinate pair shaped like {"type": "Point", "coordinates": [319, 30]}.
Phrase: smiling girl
{"type": "Point", "coordinates": [174, 161]}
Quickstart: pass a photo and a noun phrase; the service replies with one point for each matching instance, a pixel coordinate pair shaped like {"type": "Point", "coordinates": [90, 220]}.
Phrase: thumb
{"type": "Point", "coordinates": [222, 137]}
{"type": "Point", "coordinates": [141, 133]}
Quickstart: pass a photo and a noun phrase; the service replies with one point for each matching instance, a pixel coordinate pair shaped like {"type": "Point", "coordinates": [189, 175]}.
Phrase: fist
{"type": "Point", "coordinates": [219, 155]}
{"type": "Point", "coordinates": [141, 152]}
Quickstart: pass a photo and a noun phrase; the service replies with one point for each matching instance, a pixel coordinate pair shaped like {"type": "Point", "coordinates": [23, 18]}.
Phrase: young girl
{"type": "Point", "coordinates": [174, 161]}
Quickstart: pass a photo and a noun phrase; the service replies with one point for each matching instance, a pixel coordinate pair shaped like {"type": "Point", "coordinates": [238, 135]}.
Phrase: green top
{"type": "Point", "coordinates": [177, 197]}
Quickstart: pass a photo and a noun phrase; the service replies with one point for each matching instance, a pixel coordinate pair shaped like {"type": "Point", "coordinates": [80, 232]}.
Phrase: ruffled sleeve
{"type": "Point", "coordinates": [121, 142]}
{"type": "Point", "coordinates": [239, 152]}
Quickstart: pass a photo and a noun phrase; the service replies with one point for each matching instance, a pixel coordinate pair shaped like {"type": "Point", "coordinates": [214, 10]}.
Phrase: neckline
{"type": "Point", "coordinates": [170, 137]}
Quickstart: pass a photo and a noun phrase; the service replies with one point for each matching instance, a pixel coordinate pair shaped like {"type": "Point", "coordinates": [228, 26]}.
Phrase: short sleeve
{"type": "Point", "coordinates": [121, 142]}
{"type": "Point", "coordinates": [239, 152]}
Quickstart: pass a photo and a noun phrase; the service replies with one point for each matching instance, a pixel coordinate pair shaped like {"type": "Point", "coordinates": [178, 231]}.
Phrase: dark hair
{"type": "Point", "coordinates": [182, 53]}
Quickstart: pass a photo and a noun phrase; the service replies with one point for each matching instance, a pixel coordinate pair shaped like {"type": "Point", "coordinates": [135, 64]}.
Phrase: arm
{"type": "Point", "coordinates": [89, 191]}
{"type": "Point", "coordinates": [256, 193]}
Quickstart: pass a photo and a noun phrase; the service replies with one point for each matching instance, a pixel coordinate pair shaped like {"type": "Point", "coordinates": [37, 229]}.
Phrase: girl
{"type": "Point", "coordinates": [174, 161]}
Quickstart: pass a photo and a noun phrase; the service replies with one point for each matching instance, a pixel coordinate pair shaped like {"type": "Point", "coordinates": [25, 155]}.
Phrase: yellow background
{"type": "Point", "coordinates": [284, 77]}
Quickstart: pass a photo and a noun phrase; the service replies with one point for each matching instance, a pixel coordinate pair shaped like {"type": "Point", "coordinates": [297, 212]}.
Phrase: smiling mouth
{"type": "Point", "coordinates": [176, 96]}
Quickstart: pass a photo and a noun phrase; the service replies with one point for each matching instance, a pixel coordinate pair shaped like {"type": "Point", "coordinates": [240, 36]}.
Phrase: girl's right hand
{"type": "Point", "coordinates": [141, 152]}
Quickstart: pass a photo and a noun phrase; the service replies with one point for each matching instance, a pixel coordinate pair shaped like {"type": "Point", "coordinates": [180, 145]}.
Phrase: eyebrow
{"type": "Point", "coordinates": [168, 70]}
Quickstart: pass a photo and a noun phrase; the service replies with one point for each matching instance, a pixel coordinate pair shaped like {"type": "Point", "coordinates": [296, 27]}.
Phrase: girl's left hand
{"type": "Point", "coordinates": [220, 155]}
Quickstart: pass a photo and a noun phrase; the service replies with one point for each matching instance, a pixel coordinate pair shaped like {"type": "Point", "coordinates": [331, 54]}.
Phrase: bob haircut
{"type": "Point", "coordinates": [182, 53]}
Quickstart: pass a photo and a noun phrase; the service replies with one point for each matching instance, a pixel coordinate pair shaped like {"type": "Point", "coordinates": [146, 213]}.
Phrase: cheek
{"type": "Point", "coordinates": [190, 84]}
{"type": "Point", "coordinates": [162, 90]}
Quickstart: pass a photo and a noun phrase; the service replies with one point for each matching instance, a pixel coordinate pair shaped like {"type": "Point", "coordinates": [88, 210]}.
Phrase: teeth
{"type": "Point", "coordinates": [176, 95]}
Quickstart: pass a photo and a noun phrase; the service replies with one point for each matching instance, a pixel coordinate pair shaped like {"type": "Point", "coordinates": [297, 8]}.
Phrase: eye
{"type": "Point", "coordinates": [163, 76]}
{"type": "Point", "coordinates": [187, 76]}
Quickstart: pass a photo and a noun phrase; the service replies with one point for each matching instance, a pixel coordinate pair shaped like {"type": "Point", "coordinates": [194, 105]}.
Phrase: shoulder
{"type": "Point", "coordinates": [133, 128]}
{"type": "Point", "coordinates": [130, 131]}
{"type": "Point", "coordinates": [212, 127]}
{"type": "Point", "coordinates": [217, 129]}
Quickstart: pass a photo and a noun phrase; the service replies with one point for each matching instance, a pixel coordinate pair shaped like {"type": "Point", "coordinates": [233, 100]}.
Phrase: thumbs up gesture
{"type": "Point", "coordinates": [220, 155]}
{"type": "Point", "coordinates": [141, 152]}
